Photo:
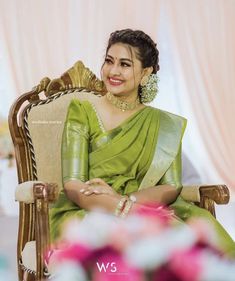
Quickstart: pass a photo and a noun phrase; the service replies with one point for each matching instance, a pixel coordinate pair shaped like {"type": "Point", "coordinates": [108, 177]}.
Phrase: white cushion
{"type": "Point", "coordinates": [191, 193]}
{"type": "Point", "coordinates": [24, 192]}
{"type": "Point", "coordinates": [28, 255]}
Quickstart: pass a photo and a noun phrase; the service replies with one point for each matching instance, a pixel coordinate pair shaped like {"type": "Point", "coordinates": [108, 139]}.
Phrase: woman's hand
{"type": "Point", "coordinates": [97, 186]}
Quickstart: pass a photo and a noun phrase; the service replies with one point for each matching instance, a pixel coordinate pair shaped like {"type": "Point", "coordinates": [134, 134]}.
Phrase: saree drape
{"type": "Point", "coordinates": [143, 151]}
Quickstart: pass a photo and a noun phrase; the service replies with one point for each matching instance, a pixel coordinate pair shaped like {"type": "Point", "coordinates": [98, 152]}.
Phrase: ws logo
{"type": "Point", "coordinates": [108, 267]}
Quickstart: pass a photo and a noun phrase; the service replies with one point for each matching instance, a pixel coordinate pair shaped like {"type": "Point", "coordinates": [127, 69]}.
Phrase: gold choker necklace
{"type": "Point", "coordinates": [123, 105]}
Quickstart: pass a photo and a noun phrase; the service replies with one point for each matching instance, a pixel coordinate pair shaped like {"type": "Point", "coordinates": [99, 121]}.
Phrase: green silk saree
{"type": "Point", "coordinates": [143, 151]}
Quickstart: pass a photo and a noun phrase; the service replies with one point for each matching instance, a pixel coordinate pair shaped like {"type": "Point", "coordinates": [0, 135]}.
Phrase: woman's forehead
{"type": "Point", "coordinates": [121, 50]}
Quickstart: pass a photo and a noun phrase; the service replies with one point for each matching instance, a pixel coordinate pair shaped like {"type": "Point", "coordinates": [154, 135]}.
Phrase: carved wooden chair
{"type": "Point", "coordinates": [36, 122]}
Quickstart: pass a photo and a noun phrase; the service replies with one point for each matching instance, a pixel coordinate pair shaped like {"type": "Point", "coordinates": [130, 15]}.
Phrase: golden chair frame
{"type": "Point", "coordinates": [33, 216]}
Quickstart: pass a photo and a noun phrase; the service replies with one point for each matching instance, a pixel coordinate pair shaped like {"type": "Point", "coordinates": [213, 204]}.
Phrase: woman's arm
{"type": "Point", "coordinates": [161, 194]}
{"type": "Point", "coordinates": [74, 190]}
{"type": "Point", "coordinates": [75, 146]}
{"type": "Point", "coordinates": [167, 189]}
{"type": "Point", "coordinates": [164, 193]}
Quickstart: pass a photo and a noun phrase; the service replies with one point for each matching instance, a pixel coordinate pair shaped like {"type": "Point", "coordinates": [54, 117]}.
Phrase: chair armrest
{"type": "Point", "coordinates": [43, 195]}
{"type": "Point", "coordinates": [218, 193]}
{"type": "Point", "coordinates": [211, 194]}
{"type": "Point", "coordinates": [34, 198]}
{"type": "Point", "coordinates": [25, 191]}
{"type": "Point", "coordinates": [205, 196]}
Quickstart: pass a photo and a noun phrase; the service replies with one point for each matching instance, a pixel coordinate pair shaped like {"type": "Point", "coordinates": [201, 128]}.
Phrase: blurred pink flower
{"type": "Point", "coordinates": [204, 231]}
{"type": "Point", "coordinates": [109, 265]}
{"type": "Point", "coordinates": [146, 246]}
{"type": "Point", "coordinates": [157, 212]}
{"type": "Point", "coordinates": [73, 252]}
{"type": "Point", "coordinates": [164, 274]}
{"type": "Point", "coordinates": [120, 237]}
{"type": "Point", "coordinates": [187, 265]}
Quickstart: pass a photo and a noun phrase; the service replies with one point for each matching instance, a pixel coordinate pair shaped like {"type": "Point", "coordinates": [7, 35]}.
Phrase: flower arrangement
{"type": "Point", "coordinates": [149, 245]}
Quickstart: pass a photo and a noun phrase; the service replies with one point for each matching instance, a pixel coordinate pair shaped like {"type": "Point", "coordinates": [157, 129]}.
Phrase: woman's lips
{"type": "Point", "coordinates": [115, 81]}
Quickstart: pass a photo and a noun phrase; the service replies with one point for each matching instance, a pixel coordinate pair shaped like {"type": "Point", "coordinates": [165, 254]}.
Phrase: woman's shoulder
{"type": "Point", "coordinates": [80, 108]}
{"type": "Point", "coordinates": [169, 117]}
{"type": "Point", "coordinates": [167, 114]}
{"type": "Point", "coordinates": [84, 99]}
{"type": "Point", "coordinates": [173, 120]}
{"type": "Point", "coordinates": [173, 115]}
{"type": "Point", "coordinates": [88, 96]}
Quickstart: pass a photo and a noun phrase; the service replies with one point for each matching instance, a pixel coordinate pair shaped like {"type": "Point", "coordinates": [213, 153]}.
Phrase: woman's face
{"type": "Point", "coordinates": [122, 71]}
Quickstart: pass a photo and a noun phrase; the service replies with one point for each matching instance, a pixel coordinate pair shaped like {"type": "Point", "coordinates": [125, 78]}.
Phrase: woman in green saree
{"type": "Point", "coordinates": [118, 153]}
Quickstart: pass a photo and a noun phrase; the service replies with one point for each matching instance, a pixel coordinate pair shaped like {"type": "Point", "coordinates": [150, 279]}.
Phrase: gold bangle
{"type": "Point", "coordinates": [120, 206]}
{"type": "Point", "coordinates": [126, 209]}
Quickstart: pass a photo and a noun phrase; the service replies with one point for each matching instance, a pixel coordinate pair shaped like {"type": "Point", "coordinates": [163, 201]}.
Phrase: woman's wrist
{"type": "Point", "coordinates": [120, 206]}
{"type": "Point", "coordinates": [124, 206]}
{"type": "Point", "coordinates": [127, 208]}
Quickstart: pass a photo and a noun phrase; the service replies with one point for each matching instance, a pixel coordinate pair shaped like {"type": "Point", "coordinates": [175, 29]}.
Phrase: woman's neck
{"type": "Point", "coordinates": [122, 103]}
{"type": "Point", "coordinates": [127, 98]}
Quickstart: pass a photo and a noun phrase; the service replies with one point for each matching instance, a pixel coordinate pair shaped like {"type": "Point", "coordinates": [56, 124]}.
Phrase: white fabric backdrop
{"type": "Point", "coordinates": [196, 39]}
{"type": "Point", "coordinates": [203, 36]}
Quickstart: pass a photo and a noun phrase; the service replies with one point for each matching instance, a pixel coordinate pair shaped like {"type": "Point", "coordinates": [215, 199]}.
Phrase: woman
{"type": "Point", "coordinates": [118, 153]}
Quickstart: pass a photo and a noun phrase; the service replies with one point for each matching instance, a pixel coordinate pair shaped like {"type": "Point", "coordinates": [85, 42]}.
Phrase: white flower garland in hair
{"type": "Point", "coordinates": [150, 89]}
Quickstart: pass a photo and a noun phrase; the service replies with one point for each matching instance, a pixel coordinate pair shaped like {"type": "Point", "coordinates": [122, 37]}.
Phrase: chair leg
{"type": "Point", "coordinates": [28, 276]}
{"type": "Point", "coordinates": [25, 276]}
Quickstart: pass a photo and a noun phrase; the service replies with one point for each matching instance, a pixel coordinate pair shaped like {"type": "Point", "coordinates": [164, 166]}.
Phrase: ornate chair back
{"type": "Point", "coordinates": [36, 121]}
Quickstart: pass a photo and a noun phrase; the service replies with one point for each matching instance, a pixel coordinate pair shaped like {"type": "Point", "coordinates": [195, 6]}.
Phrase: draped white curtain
{"type": "Point", "coordinates": [46, 37]}
{"type": "Point", "coordinates": [196, 39]}
{"type": "Point", "coordinates": [202, 37]}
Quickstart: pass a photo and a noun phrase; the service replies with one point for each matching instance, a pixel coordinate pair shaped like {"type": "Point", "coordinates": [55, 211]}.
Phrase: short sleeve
{"type": "Point", "coordinates": [173, 175]}
{"type": "Point", "coordinates": [75, 143]}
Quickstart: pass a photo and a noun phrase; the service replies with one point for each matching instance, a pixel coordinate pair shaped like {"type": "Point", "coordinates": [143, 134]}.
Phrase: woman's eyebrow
{"type": "Point", "coordinates": [121, 59]}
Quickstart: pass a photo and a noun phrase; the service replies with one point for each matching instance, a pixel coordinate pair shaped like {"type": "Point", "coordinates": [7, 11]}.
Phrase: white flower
{"type": "Point", "coordinates": [93, 231]}
{"type": "Point", "coordinates": [217, 269]}
{"type": "Point", "coordinates": [71, 271]}
{"type": "Point", "coordinates": [152, 252]}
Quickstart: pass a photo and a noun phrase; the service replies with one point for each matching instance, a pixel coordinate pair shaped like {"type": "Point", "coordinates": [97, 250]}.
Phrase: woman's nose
{"type": "Point", "coordinates": [115, 70]}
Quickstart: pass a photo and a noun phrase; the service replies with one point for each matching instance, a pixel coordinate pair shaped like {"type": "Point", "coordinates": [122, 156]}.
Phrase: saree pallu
{"type": "Point", "coordinates": [143, 151]}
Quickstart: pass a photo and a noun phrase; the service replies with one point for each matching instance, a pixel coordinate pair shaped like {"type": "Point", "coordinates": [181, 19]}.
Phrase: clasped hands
{"type": "Point", "coordinates": [97, 186]}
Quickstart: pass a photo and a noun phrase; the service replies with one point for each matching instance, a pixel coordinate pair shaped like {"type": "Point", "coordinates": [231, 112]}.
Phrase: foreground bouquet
{"type": "Point", "coordinates": [149, 245]}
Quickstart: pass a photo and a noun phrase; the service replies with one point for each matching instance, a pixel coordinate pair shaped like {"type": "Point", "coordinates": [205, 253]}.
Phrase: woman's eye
{"type": "Point", "coordinates": [108, 61]}
{"type": "Point", "coordinates": [125, 64]}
